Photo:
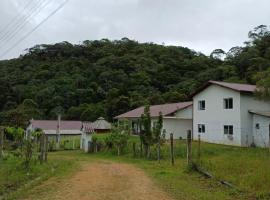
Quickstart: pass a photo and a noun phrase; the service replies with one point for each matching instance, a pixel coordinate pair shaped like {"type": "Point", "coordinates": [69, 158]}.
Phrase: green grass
{"type": "Point", "coordinates": [15, 178]}
{"type": "Point", "coordinates": [245, 168]}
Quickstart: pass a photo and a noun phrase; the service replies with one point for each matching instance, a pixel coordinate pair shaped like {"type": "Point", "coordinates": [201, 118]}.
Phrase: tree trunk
{"type": "Point", "coordinates": [134, 149]}
{"type": "Point", "coordinates": [1, 143]}
{"type": "Point", "coordinates": [148, 151]}
{"type": "Point", "coordinates": [141, 149]}
{"type": "Point", "coordinates": [118, 151]}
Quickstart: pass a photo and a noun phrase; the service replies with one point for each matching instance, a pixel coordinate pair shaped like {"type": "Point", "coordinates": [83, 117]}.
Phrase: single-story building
{"type": "Point", "coordinates": [177, 118]}
{"type": "Point", "coordinates": [52, 127]}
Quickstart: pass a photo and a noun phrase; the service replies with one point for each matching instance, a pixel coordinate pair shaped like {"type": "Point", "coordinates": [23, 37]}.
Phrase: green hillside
{"type": "Point", "coordinates": [106, 78]}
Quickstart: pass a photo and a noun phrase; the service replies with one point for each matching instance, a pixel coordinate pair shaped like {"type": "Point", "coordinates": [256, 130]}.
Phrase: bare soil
{"type": "Point", "coordinates": [103, 181]}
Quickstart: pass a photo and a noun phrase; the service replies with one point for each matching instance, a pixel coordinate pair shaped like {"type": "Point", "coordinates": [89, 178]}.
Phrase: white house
{"type": "Point", "coordinates": [228, 113]}
{"type": "Point", "coordinates": [177, 118]}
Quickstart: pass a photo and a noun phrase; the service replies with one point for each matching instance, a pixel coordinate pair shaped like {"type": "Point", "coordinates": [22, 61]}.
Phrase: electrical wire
{"type": "Point", "coordinates": [21, 24]}
{"type": "Point", "coordinates": [35, 28]}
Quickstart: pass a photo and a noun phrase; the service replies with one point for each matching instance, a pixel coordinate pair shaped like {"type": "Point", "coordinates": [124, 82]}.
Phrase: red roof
{"type": "Point", "coordinates": [165, 109]}
{"type": "Point", "coordinates": [52, 124]}
{"type": "Point", "coordinates": [234, 86]}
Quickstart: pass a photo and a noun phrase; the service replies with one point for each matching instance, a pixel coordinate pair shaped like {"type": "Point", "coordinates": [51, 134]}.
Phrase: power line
{"type": "Point", "coordinates": [35, 28]}
{"type": "Point", "coordinates": [21, 23]}
{"type": "Point", "coordinates": [6, 27]}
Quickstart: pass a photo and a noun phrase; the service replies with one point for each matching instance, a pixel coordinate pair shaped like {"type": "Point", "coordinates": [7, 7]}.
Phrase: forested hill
{"type": "Point", "coordinates": [106, 78]}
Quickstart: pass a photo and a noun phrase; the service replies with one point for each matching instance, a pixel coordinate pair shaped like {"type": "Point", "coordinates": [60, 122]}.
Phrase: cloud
{"type": "Point", "coordinates": [200, 25]}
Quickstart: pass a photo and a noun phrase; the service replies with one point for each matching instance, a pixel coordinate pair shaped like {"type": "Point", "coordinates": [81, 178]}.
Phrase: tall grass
{"type": "Point", "coordinates": [248, 169]}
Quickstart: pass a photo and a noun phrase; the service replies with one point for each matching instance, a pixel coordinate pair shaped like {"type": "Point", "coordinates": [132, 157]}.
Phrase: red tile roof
{"type": "Point", "coordinates": [166, 109]}
{"type": "Point", "coordinates": [52, 124]}
{"type": "Point", "coordinates": [234, 86]}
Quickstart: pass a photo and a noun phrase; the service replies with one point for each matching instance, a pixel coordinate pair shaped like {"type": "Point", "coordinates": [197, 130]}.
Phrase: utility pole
{"type": "Point", "coordinates": [58, 132]}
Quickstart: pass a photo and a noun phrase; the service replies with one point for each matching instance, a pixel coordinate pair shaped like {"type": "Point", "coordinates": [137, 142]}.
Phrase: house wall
{"type": "Point", "coordinates": [186, 113]}
{"type": "Point", "coordinates": [249, 102]}
{"type": "Point", "coordinates": [178, 127]}
{"type": "Point", "coordinates": [215, 116]}
{"type": "Point", "coordinates": [85, 138]}
{"type": "Point", "coordinates": [261, 135]}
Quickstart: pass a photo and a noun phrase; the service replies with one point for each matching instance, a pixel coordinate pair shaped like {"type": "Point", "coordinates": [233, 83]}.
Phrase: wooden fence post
{"type": "Point", "coordinates": [158, 151]}
{"type": "Point", "coordinates": [134, 149]}
{"type": "Point", "coordinates": [172, 152]}
{"type": "Point", "coordinates": [199, 149]}
{"type": "Point", "coordinates": [269, 138]}
{"type": "Point", "coordinates": [46, 147]}
{"type": "Point", "coordinates": [189, 161]}
{"type": "Point", "coordinates": [1, 143]}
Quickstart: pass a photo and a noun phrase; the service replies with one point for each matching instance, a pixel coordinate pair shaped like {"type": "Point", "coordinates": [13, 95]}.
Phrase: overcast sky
{"type": "Point", "coordinates": [202, 25]}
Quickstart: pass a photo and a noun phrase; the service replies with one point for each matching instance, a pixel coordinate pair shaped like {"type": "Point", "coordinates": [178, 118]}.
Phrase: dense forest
{"type": "Point", "coordinates": [106, 78]}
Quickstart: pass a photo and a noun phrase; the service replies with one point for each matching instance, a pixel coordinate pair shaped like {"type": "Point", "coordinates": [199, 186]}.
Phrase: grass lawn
{"type": "Point", "coordinates": [15, 179]}
{"type": "Point", "coordinates": [245, 168]}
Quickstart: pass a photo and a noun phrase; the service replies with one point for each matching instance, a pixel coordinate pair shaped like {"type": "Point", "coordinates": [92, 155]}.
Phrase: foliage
{"type": "Point", "coordinates": [151, 135]}
{"type": "Point", "coordinates": [106, 78]}
{"type": "Point", "coordinates": [118, 139]}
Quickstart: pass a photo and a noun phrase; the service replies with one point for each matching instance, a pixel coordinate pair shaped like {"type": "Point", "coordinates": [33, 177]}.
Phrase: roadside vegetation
{"type": "Point", "coordinates": [245, 169]}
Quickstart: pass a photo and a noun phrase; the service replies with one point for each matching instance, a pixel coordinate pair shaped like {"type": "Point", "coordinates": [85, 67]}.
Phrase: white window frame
{"type": "Point", "coordinates": [200, 103]}
{"type": "Point", "coordinates": [201, 128]}
{"type": "Point", "coordinates": [228, 103]}
{"type": "Point", "coordinates": [228, 129]}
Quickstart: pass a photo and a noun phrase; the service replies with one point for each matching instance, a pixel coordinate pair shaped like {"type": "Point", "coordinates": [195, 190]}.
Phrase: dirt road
{"type": "Point", "coordinates": [105, 181]}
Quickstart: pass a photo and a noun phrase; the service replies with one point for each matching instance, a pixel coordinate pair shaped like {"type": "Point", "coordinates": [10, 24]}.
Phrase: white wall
{"type": "Point", "coordinates": [249, 102]}
{"type": "Point", "coordinates": [185, 113]}
{"type": "Point", "coordinates": [215, 116]}
{"type": "Point", "coordinates": [178, 127]}
{"type": "Point", "coordinates": [261, 135]}
{"type": "Point", "coordinates": [85, 138]}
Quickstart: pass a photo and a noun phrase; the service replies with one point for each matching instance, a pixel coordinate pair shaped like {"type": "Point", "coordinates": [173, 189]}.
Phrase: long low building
{"type": "Point", "coordinates": [177, 118]}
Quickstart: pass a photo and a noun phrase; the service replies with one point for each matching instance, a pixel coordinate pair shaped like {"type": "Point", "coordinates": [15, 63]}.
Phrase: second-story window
{"type": "Point", "coordinates": [228, 103]}
{"type": "Point", "coordinates": [201, 105]}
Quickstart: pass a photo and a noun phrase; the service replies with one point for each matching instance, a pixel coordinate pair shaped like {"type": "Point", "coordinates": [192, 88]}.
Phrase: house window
{"type": "Point", "coordinates": [228, 103]}
{"type": "Point", "coordinates": [228, 129]}
{"type": "Point", "coordinates": [201, 128]}
{"type": "Point", "coordinates": [257, 126]}
{"type": "Point", "coordinates": [201, 105]}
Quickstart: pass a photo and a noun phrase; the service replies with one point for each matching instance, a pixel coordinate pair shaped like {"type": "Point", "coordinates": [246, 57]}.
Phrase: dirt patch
{"type": "Point", "coordinates": [105, 181]}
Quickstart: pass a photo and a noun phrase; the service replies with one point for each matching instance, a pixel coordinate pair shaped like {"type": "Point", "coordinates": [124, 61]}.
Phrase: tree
{"type": "Point", "coordinates": [157, 132]}
{"type": "Point", "coordinates": [146, 131]}
{"type": "Point", "coordinates": [118, 138]}
{"type": "Point", "coordinates": [263, 84]}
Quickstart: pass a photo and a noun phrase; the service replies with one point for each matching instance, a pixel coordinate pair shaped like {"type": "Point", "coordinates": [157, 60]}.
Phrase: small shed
{"type": "Point", "coordinates": [89, 128]}
{"type": "Point", "coordinates": [101, 125]}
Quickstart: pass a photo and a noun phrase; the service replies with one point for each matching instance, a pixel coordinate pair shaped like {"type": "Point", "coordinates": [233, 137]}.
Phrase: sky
{"type": "Point", "coordinates": [202, 25]}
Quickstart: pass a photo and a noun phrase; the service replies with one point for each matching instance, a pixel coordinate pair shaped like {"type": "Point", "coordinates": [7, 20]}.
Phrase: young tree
{"type": "Point", "coordinates": [119, 139]}
{"type": "Point", "coordinates": [157, 132]}
{"type": "Point", "coordinates": [146, 133]}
